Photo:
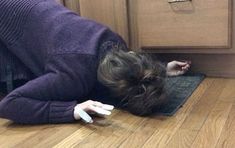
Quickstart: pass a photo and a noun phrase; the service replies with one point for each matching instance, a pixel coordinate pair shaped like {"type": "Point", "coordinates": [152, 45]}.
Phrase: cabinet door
{"type": "Point", "coordinates": [189, 24]}
{"type": "Point", "coordinates": [112, 13]}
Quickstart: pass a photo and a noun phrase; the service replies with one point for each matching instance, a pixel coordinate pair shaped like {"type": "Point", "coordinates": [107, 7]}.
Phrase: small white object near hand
{"type": "Point", "coordinates": [80, 113]}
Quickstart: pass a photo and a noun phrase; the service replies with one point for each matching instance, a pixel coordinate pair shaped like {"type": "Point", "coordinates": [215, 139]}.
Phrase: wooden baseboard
{"type": "Point", "coordinates": [213, 65]}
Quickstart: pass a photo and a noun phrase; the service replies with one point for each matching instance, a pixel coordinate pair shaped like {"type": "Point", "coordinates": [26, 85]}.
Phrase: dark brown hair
{"type": "Point", "coordinates": [135, 78]}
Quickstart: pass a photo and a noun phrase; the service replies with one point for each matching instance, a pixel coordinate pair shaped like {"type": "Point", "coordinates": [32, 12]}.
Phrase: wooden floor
{"type": "Point", "coordinates": [207, 120]}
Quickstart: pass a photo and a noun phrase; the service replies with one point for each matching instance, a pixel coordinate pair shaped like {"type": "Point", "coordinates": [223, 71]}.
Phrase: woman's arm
{"type": "Point", "coordinates": [20, 107]}
{"type": "Point", "coordinates": [50, 98]}
{"type": "Point", "coordinates": [35, 103]}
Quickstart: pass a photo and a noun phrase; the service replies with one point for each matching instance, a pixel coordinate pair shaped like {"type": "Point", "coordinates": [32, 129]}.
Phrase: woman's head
{"type": "Point", "coordinates": [135, 78]}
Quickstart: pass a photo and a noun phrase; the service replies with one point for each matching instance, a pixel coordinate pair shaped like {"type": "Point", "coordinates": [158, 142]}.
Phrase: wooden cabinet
{"type": "Point", "coordinates": [197, 30]}
{"type": "Point", "coordinates": [193, 26]}
{"type": "Point", "coordinates": [112, 13]}
{"type": "Point", "coordinates": [189, 24]}
{"type": "Point", "coordinates": [73, 5]}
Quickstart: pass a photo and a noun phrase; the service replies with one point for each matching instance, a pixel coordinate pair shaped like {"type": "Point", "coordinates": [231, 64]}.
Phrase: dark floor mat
{"type": "Point", "coordinates": [179, 89]}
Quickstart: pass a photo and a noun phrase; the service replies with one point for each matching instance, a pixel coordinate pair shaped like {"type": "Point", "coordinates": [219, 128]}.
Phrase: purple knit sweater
{"type": "Point", "coordinates": [61, 50]}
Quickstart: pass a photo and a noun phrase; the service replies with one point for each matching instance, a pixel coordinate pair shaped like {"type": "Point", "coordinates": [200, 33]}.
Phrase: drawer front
{"type": "Point", "coordinates": [190, 24]}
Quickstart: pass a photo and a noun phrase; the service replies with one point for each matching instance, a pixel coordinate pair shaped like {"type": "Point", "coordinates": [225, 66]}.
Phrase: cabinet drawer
{"type": "Point", "coordinates": [190, 24]}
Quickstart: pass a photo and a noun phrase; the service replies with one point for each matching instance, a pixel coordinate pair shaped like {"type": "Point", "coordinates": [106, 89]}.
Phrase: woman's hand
{"type": "Point", "coordinates": [176, 68]}
{"type": "Point", "coordinates": [90, 107]}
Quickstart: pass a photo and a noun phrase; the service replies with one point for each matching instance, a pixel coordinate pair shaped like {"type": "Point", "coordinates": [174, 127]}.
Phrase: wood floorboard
{"type": "Point", "coordinates": [168, 127]}
{"type": "Point", "coordinates": [212, 128]}
{"type": "Point", "coordinates": [68, 138]}
{"type": "Point", "coordinates": [183, 138]}
{"type": "Point", "coordinates": [206, 120]}
{"type": "Point", "coordinates": [122, 127]}
{"type": "Point", "coordinates": [226, 139]}
{"type": "Point", "coordinates": [49, 137]}
{"type": "Point", "coordinates": [202, 109]}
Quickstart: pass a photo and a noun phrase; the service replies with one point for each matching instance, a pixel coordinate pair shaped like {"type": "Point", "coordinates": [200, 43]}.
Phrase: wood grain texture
{"type": "Point", "coordinates": [210, 132]}
{"type": "Point", "coordinates": [200, 112]}
{"type": "Point", "coordinates": [226, 139]}
{"type": "Point", "coordinates": [48, 137]}
{"type": "Point", "coordinates": [169, 127]}
{"type": "Point", "coordinates": [183, 138]}
{"type": "Point", "coordinates": [190, 24]}
{"type": "Point", "coordinates": [112, 13]}
{"type": "Point", "coordinates": [73, 5]}
{"type": "Point", "coordinates": [205, 120]}
{"type": "Point", "coordinates": [115, 133]}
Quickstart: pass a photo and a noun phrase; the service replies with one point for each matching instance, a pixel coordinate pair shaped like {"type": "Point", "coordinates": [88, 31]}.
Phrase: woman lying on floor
{"type": "Point", "coordinates": [70, 60]}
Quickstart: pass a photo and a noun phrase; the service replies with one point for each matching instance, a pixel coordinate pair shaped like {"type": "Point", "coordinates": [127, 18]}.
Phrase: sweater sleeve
{"type": "Point", "coordinates": [50, 98]}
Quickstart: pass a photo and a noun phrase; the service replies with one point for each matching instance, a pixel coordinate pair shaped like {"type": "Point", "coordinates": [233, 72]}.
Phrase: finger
{"type": "Point", "coordinates": [176, 73]}
{"type": "Point", "coordinates": [99, 110]}
{"type": "Point", "coordinates": [181, 72]}
{"type": "Point", "coordinates": [103, 106]}
{"type": "Point", "coordinates": [185, 70]}
{"type": "Point", "coordinates": [181, 63]}
{"type": "Point", "coordinates": [108, 107]}
{"type": "Point", "coordinates": [185, 67]}
{"type": "Point", "coordinates": [98, 104]}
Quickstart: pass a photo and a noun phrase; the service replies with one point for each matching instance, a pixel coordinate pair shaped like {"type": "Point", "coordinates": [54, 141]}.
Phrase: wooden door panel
{"type": "Point", "coordinates": [72, 5]}
{"type": "Point", "coordinates": [112, 13]}
{"type": "Point", "coordinates": [194, 24]}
